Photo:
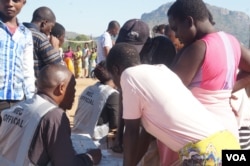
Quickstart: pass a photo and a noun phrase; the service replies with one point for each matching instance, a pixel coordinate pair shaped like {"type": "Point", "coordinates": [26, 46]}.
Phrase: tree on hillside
{"type": "Point", "coordinates": [78, 40]}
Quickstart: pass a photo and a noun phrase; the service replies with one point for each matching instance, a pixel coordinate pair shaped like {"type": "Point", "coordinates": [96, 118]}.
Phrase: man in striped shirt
{"type": "Point", "coordinates": [46, 46]}
{"type": "Point", "coordinates": [17, 81]}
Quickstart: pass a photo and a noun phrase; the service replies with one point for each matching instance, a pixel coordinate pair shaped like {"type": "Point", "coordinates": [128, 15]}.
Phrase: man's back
{"type": "Point", "coordinates": [103, 41]}
{"type": "Point", "coordinates": [20, 123]}
{"type": "Point", "coordinates": [158, 96]}
{"type": "Point", "coordinates": [44, 52]}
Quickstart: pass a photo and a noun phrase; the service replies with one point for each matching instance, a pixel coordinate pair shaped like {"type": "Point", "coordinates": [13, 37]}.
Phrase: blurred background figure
{"type": "Point", "coordinates": [171, 35]}
{"type": "Point", "coordinates": [68, 59]}
{"type": "Point", "coordinates": [78, 62]}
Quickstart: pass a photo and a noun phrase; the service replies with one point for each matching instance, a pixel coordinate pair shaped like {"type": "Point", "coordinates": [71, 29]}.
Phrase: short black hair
{"type": "Point", "coordinates": [101, 72]}
{"type": "Point", "coordinates": [181, 9]}
{"type": "Point", "coordinates": [122, 55]}
{"type": "Point", "coordinates": [43, 13]}
{"type": "Point", "coordinates": [158, 50]}
{"type": "Point", "coordinates": [113, 24]}
{"type": "Point", "coordinates": [58, 30]}
{"type": "Point", "coordinates": [160, 27]}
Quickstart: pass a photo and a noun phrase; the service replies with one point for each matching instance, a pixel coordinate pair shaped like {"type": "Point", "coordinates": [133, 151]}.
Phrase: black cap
{"type": "Point", "coordinates": [134, 32]}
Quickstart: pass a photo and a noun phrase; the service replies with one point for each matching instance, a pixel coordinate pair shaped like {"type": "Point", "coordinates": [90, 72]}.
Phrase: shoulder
{"type": "Point", "coordinates": [55, 117]}
{"type": "Point", "coordinates": [196, 49]}
{"type": "Point", "coordinates": [113, 97]}
{"type": "Point", "coordinates": [106, 35]}
{"type": "Point", "coordinates": [25, 31]}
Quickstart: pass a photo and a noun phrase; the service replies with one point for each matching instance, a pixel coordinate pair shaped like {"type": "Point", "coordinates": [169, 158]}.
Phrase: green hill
{"type": "Point", "coordinates": [234, 22]}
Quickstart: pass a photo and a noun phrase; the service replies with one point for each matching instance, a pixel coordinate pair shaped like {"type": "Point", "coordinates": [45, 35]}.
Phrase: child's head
{"type": "Point", "coordinates": [158, 50]}
{"type": "Point", "coordinates": [171, 35]}
{"type": "Point", "coordinates": [101, 72]}
{"type": "Point", "coordinates": [9, 9]}
{"type": "Point", "coordinates": [184, 18]}
{"type": "Point", "coordinates": [59, 32]}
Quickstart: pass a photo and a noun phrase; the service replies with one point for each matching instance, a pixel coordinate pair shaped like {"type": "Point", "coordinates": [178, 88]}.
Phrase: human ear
{"type": "Point", "coordinates": [43, 23]}
{"type": "Point", "coordinates": [190, 21]}
{"type": "Point", "coordinates": [60, 89]}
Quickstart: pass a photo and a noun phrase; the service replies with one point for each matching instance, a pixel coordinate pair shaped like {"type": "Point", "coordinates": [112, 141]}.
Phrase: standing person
{"type": "Point", "coordinates": [58, 31]}
{"type": "Point", "coordinates": [92, 62]}
{"type": "Point", "coordinates": [211, 83]}
{"type": "Point", "coordinates": [78, 62]}
{"type": "Point", "coordinates": [17, 81]}
{"type": "Point", "coordinates": [134, 32]}
{"type": "Point", "coordinates": [150, 99]}
{"type": "Point", "coordinates": [97, 110]}
{"type": "Point", "coordinates": [42, 127]}
{"type": "Point", "coordinates": [68, 59]}
{"type": "Point", "coordinates": [85, 60]}
{"type": "Point", "coordinates": [104, 42]}
{"type": "Point", "coordinates": [46, 47]}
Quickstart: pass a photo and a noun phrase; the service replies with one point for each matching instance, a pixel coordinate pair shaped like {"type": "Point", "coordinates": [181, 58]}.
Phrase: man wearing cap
{"type": "Point", "coordinates": [136, 33]}
{"type": "Point", "coordinates": [104, 42]}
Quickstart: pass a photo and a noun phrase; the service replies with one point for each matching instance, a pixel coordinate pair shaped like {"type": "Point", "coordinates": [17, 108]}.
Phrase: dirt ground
{"type": "Point", "coordinates": [81, 84]}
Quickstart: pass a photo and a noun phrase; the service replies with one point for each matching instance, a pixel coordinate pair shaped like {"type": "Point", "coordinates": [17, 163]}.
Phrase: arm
{"type": "Point", "coordinates": [130, 141]}
{"type": "Point", "coordinates": [244, 64]}
{"type": "Point", "coordinates": [54, 42]}
{"type": "Point", "coordinates": [106, 50]}
{"type": "Point", "coordinates": [111, 108]}
{"type": "Point", "coordinates": [190, 61]}
{"type": "Point", "coordinates": [145, 140]}
{"type": "Point", "coordinates": [243, 77]}
{"type": "Point", "coordinates": [28, 69]}
{"type": "Point", "coordinates": [118, 147]}
{"type": "Point", "coordinates": [243, 80]}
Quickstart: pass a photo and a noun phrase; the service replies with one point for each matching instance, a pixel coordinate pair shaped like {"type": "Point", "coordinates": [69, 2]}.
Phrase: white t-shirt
{"type": "Point", "coordinates": [167, 109]}
{"type": "Point", "coordinates": [104, 40]}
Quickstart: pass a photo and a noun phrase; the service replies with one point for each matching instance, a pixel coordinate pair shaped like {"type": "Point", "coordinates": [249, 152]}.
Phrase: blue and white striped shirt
{"type": "Point", "coordinates": [16, 63]}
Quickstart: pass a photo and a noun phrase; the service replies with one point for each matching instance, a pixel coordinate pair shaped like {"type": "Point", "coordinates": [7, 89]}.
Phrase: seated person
{"type": "Point", "coordinates": [98, 106]}
{"type": "Point", "coordinates": [37, 131]}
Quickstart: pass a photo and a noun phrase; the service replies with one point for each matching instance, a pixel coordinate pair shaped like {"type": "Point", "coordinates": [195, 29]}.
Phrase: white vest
{"type": "Point", "coordinates": [91, 103]}
{"type": "Point", "coordinates": [19, 124]}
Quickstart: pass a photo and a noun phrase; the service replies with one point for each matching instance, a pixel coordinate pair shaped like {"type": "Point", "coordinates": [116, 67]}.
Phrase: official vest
{"type": "Point", "coordinates": [19, 124]}
{"type": "Point", "coordinates": [91, 103]}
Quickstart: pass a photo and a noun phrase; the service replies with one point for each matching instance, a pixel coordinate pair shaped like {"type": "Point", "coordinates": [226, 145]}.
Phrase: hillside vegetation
{"type": "Point", "coordinates": [234, 22]}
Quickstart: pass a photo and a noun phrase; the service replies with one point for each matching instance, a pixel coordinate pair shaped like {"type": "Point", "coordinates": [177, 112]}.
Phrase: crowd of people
{"type": "Point", "coordinates": [178, 97]}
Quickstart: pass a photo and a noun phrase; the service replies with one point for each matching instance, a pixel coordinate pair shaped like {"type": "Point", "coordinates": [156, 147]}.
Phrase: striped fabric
{"type": "Point", "coordinates": [245, 138]}
{"type": "Point", "coordinates": [16, 63]}
{"type": "Point", "coordinates": [44, 52]}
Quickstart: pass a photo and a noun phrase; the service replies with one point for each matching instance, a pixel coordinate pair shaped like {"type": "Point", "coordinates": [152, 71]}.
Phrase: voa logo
{"type": "Point", "coordinates": [236, 157]}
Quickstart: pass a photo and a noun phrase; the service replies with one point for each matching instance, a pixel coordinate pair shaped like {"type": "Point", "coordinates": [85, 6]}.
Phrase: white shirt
{"type": "Point", "coordinates": [104, 40]}
{"type": "Point", "coordinates": [167, 109]}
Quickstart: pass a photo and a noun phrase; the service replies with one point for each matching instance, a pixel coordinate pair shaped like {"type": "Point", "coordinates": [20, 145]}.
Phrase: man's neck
{"type": "Point", "coordinates": [10, 22]}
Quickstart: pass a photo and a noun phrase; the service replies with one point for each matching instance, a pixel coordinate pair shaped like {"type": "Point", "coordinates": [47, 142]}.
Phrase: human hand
{"type": "Point", "coordinates": [232, 101]}
{"type": "Point", "coordinates": [54, 42]}
{"type": "Point", "coordinates": [95, 154]}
